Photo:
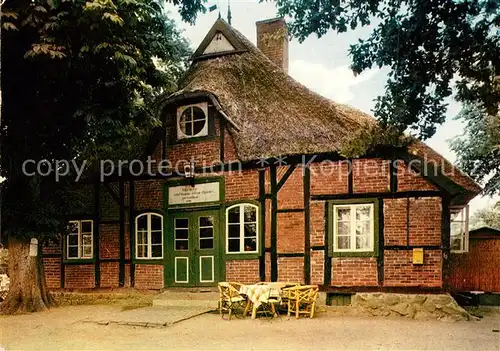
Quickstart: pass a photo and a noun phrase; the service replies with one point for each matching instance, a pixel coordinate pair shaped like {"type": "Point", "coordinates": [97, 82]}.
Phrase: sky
{"type": "Point", "coordinates": [322, 64]}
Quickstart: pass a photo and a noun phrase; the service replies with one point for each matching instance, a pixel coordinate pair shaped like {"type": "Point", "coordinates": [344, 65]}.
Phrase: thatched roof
{"type": "Point", "coordinates": [271, 113]}
{"type": "Point", "coordinates": [276, 114]}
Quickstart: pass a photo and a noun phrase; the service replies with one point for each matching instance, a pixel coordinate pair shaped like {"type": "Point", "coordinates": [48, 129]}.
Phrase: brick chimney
{"type": "Point", "coordinates": [272, 40]}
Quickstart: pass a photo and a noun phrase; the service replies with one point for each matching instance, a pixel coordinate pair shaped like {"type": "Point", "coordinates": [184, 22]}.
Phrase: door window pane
{"type": "Point", "coordinates": [206, 244]}
{"type": "Point", "coordinates": [182, 223]}
{"type": "Point", "coordinates": [206, 232]}
{"type": "Point", "coordinates": [181, 245]}
{"type": "Point", "coordinates": [206, 221]}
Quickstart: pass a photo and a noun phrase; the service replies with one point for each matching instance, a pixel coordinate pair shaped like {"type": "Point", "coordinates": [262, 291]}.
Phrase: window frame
{"type": "Point", "coordinates": [204, 131]}
{"type": "Point", "coordinates": [80, 244]}
{"type": "Point", "coordinates": [149, 246]}
{"type": "Point", "coordinates": [464, 236]}
{"type": "Point", "coordinates": [242, 229]}
{"type": "Point", "coordinates": [332, 225]}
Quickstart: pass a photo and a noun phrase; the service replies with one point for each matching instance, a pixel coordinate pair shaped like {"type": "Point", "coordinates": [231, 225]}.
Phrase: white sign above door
{"type": "Point", "coordinates": [189, 194]}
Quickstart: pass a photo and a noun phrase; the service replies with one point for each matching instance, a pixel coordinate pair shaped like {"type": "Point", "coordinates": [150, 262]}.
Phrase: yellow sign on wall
{"type": "Point", "coordinates": [418, 256]}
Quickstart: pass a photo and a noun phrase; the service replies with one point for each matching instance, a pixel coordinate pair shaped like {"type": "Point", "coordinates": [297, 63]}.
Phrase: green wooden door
{"type": "Point", "coordinates": [194, 248]}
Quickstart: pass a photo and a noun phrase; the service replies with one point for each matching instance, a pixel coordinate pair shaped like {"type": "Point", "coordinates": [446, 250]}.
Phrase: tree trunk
{"type": "Point", "coordinates": [28, 290]}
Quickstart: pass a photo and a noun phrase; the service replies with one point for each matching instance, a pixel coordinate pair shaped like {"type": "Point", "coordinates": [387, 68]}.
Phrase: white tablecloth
{"type": "Point", "coordinates": [260, 293]}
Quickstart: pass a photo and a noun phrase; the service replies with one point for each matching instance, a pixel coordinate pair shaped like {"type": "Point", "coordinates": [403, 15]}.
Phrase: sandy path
{"type": "Point", "coordinates": [59, 329]}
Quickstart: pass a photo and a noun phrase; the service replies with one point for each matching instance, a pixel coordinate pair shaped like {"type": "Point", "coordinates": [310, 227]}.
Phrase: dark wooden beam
{"type": "Point", "coordinates": [274, 224]}
{"type": "Point", "coordinates": [350, 178]}
{"type": "Point", "coordinates": [445, 240]}
{"type": "Point", "coordinates": [306, 180]}
{"type": "Point", "coordinates": [411, 247]}
{"type": "Point", "coordinates": [285, 177]}
{"type": "Point", "coordinates": [131, 220]}
{"type": "Point", "coordinates": [222, 128]}
{"type": "Point", "coordinates": [63, 241]}
{"type": "Point", "coordinates": [291, 254]}
{"type": "Point", "coordinates": [393, 176]}
{"type": "Point", "coordinates": [318, 247]}
{"type": "Point", "coordinates": [290, 210]}
{"type": "Point", "coordinates": [262, 200]}
{"type": "Point", "coordinates": [407, 222]}
{"type": "Point", "coordinates": [121, 273]}
{"type": "Point", "coordinates": [112, 192]}
{"type": "Point", "coordinates": [383, 195]}
{"type": "Point", "coordinates": [96, 229]}
{"type": "Point", "coordinates": [381, 240]}
{"type": "Point", "coordinates": [327, 271]}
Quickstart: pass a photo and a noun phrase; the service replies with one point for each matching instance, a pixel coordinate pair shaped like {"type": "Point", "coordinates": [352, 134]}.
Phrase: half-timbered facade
{"type": "Point", "coordinates": [247, 184]}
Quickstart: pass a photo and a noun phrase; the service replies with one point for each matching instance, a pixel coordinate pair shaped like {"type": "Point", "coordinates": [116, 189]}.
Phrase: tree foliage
{"type": "Point", "coordinates": [78, 81]}
{"type": "Point", "coordinates": [478, 148]}
{"type": "Point", "coordinates": [429, 46]}
{"type": "Point", "coordinates": [489, 217]}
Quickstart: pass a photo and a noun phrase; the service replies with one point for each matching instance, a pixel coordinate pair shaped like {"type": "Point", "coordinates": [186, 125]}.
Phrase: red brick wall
{"type": "Point", "coordinates": [291, 195]}
{"type": "Point", "coordinates": [109, 274]}
{"type": "Point", "coordinates": [291, 269]}
{"type": "Point", "coordinates": [242, 185]}
{"type": "Point", "coordinates": [354, 271]}
{"type": "Point", "coordinates": [230, 153]}
{"type": "Point", "coordinates": [148, 194]}
{"type": "Point", "coordinates": [400, 271]}
{"type": "Point", "coordinates": [425, 221]}
{"type": "Point", "coordinates": [395, 222]}
{"type": "Point", "coordinates": [149, 276]}
{"type": "Point", "coordinates": [52, 267]}
{"type": "Point", "coordinates": [242, 271]}
{"type": "Point", "coordinates": [329, 178]}
{"type": "Point", "coordinates": [409, 180]}
{"type": "Point", "coordinates": [203, 153]}
{"type": "Point", "coordinates": [109, 243]}
{"type": "Point", "coordinates": [317, 267]}
{"type": "Point", "coordinates": [79, 276]}
{"type": "Point", "coordinates": [317, 230]}
{"type": "Point", "coordinates": [291, 232]}
{"type": "Point", "coordinates": [370, 175]}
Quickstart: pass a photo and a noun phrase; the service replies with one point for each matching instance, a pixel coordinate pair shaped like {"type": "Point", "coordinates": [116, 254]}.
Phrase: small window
{"type": "Point", "coordinates": [79, 241]}
{"type": "Point", "coordinates": [149, 236]}
{"type": "Point", "coordinates": [353, 228]}
{"type": "Point", "coordinates": [459, 229]}
{"type": "Point", "coordinates": [192, 121]}
{"type": "Point", "coordinates": [242, 229]}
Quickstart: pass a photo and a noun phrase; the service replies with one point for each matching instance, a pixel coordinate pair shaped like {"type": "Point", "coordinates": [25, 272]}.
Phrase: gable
{"type": "Point", "coordinates": [218, 44]}
{"type": "Point", "coordinates": [220, 40]}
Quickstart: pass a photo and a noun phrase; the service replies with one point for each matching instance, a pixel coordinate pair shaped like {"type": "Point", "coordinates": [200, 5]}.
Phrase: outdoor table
{"type": "Point", "coordinates": [258, 294]}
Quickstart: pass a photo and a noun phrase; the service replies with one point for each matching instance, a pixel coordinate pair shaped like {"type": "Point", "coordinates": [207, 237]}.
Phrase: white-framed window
{"type": "Point", "coordinates": [79, 241]}
{"type": "Point", "coordinates": [353, 228]}
{"type": "Point", "coordinates": [149, 236]}
{"type": "Point", "coordinates": [242, 228]}
{"type": "Point", "coordinates": [459, 229]}
{"type": "Point", "coordinates": [192, 121]}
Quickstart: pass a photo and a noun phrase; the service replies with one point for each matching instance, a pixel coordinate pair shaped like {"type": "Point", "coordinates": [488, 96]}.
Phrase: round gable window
{"type": "Point", "coordinates": [192, 121]}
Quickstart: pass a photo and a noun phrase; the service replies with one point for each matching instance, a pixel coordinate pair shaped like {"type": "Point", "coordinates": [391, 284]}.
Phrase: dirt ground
{"type": "Point", "coordinates": [62, 329]}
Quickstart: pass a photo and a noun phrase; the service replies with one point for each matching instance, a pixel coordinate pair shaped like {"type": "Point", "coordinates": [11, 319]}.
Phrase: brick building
{"type": "Point", "coordinates": [250, 185]}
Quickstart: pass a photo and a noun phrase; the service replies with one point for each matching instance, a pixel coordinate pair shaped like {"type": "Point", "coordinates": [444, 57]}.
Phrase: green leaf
{"type": "Point", "coordinates": [113, 18]}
